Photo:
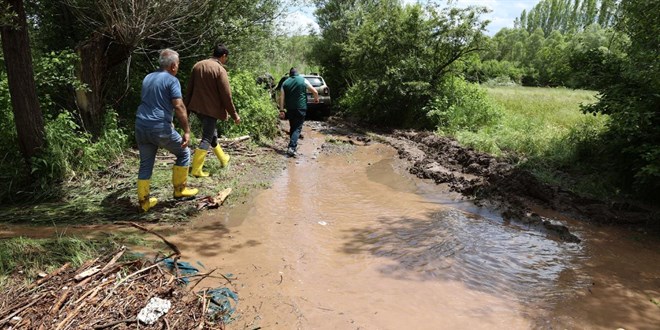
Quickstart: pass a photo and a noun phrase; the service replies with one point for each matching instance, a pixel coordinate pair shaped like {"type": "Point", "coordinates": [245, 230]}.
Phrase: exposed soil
{"type": "Point", "coordinates": [511, 189]}
{"type": "Point", "coordinates": [494, 182]}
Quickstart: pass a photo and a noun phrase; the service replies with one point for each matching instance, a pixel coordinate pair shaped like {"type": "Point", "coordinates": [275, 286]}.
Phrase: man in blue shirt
{"type": "Point", "coordinates": [161, 101]}
{"type": "Point", "coordinates": [293, 98]}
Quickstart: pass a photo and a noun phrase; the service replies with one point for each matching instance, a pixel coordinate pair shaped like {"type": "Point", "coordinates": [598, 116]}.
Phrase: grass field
{"type": "Point", "coordinates": [544, 130]}
{"type": "Point", "coordinates": [534, 120]}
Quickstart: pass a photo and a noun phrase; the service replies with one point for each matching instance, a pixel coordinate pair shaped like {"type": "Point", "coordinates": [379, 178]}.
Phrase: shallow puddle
{"type": "Point", "coordinates": [349, 240]}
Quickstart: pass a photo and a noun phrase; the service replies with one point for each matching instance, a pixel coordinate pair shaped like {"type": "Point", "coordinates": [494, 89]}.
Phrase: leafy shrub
{"type": "Point", "coordinates": [500, 81]}
{"type": "Point", "coordinates": [258, 113]}
{"type": "Point", "coordinates": [389, 59]}
{"type": "Point", "coordinates": [386, 102]}
{"type": "Point", "coordinates": [492, 69]}
{"type": "Point", "coordinates": [462, 106]}
{"type": "Point", "coordinates": [55, 76]}
{"type": "Point", "coordinates": [71, 151]}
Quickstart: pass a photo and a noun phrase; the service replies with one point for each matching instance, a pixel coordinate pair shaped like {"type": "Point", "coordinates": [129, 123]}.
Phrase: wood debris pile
{"type": "Point", "coordinates": [106, 294]}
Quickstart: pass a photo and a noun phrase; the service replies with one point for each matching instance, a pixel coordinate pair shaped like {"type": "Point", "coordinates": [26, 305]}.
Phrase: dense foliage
{"type": "Point", "coordinates": [629, 87]}
{"type": "Point", "coordinates": [547, 45]}
{"type": "Point", "coordinates": [386, 62]}
{"type": "Point", "coordinates": [89, 60]}
{"type": "Point", "coordinates": [258, 114]}
{"type": "Point", "coordinates": [567, 16]}
{"type": "Point", "coordinates": [391, 59]}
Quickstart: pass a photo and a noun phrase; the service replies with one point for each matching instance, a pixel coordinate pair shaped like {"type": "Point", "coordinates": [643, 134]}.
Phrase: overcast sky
{"type": "Point", "coordinates": [502, 14]}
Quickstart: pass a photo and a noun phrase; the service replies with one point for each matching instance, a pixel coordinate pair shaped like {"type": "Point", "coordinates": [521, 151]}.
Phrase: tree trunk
{"type": "Point", "coordinates": [25, 104]}
{"type": "Point", "coordinates": [92, 72]}
{"type": "Point", "coordinates": [98, 55]}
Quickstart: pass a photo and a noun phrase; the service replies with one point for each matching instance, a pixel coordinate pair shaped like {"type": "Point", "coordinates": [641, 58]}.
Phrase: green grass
{"type": "Point", "coordinates": [544, 130]}
{"type": "Point", "coordinates": [110, 195]}
{"type": "Point", "coordinates": [25, 257]}
{"type": "Point", "coordinates": [534, 121]}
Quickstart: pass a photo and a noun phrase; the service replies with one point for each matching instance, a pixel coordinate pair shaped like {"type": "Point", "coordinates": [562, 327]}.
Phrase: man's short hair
{"type": "Point", "coordinates": [220, 50]}
{"type": "Point", "coordinates": [167, 58]}
{"type": "Point", "coordinates": [293, 72]}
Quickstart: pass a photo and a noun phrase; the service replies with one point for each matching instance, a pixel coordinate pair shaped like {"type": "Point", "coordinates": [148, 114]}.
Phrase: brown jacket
{"type": "Point", "coordinates": [208, 91]}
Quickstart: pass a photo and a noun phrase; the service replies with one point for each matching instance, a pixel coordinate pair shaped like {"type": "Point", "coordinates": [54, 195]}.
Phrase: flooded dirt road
{"type": "Point", "coordinates": [346, 239]}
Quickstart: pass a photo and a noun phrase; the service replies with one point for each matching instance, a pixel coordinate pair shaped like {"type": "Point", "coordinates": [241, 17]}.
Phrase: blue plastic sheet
{"type": "Point", "coordinates": [223, 300]}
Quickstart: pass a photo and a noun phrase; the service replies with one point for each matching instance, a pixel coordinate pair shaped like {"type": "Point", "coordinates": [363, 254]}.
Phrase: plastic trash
{"type": "Point", "coordinates": [154, 310]}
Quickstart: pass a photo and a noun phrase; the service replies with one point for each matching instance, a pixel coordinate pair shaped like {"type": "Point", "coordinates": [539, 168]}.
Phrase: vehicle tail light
{"type": "Point", "coordinates": [326, 91]}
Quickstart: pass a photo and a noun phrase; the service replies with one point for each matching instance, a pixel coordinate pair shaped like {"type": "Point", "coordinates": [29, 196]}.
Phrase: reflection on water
{"type": "Point", "coordinates": [486, 256]}
{"type": "Point", "coordinates": [476, 248]}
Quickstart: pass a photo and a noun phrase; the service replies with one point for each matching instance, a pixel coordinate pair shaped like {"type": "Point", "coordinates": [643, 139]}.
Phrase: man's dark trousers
{"type": "Point", "coordinates": [296, 121]}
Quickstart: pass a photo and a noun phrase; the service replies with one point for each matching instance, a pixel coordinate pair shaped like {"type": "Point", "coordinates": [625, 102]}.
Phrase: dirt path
{"type": "Point", "coordinates": [411, 231]}
{"type": "Point", "coordinates": [345, 239]}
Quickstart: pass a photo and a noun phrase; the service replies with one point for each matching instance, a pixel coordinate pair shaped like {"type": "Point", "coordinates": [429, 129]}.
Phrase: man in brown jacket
{"type": "Point", "coordinates": [209, 96]}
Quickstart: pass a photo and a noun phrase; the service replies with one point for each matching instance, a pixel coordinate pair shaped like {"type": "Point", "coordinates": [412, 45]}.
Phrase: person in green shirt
{"type": "Point", "coordinates": [293, 106]}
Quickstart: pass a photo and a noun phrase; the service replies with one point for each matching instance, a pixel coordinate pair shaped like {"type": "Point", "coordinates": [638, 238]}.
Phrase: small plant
{"type": "Point", "coordinates": [463, 106]}
{"type": "Point", "coordinates": [258, 113]}
{"type": "Point", "coordinates": [71, 151]}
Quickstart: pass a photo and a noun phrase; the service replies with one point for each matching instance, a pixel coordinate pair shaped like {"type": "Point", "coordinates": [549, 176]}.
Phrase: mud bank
{"type": "Point", "coordinates": [514, 191]}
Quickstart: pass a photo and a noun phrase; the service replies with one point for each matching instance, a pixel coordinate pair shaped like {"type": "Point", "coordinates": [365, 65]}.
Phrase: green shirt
{"type": "Point", "coordinates": [295, 93]}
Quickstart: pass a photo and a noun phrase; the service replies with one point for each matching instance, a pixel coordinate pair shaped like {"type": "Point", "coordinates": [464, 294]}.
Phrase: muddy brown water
{"type": "Point", "coordinates": [349, 240]}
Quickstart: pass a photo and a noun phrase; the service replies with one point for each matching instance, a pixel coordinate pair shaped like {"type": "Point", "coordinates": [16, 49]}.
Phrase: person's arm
{"type": "Point", "coordinates": [312, 90]}
{"type": "Point", "coordinates": [281, 100]}
{"type": "Point", "coordinates": [182, 115]}
{"type": "Point", "coordinates": [225, 95]}
{"type": "Point", "coordinates": [189, 90]}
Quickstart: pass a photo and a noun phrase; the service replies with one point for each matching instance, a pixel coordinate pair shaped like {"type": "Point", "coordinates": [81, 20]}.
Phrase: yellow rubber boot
{"type": "Point", "coordinates": [179, 178]}
{"type": "Point", "coordinates": [222, 157]}
{"type": "Point", "coordinates": [144, 200]}
{"type": "Point", "coordinates": [198, 163]}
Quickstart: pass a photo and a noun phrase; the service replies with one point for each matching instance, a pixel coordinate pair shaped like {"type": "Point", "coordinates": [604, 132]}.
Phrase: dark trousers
{"type": "Point", "coordinates": [209, 132]}
{"type": "Point", "coordinates": [296, 121]}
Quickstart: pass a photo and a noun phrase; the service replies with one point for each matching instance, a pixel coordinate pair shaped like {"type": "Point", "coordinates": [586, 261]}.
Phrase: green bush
{"type": "Point", "coordinates": [463, 106]}
{"type": "Point", "coordinates": [70, 151]}
{"type": "Point", "coordinates": [387, 59]}
{"type": "Point", "coordinates": [500, 81]}
{"type": "Point", "coordinates": [258, 113]}
{"type": "Point", "coordinates": [492, 69]}
{"type": "Point", "coordinates": [55, 76]}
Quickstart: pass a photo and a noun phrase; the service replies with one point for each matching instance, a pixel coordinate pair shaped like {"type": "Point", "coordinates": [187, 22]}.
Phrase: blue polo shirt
{"type": "Point", "coordinates": [158, 90]}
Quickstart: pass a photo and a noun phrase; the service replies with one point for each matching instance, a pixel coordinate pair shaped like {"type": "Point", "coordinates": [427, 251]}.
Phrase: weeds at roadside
{"type": "Point", "coordinates": [544, 131]}
{"type": "Point", "coordinates": [26, 257]}
{"type": "Point", "coordinates": [110, 194]}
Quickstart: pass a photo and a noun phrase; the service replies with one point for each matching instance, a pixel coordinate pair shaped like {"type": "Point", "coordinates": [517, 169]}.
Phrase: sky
{"type": "Point", "coordinates": [502, 14]}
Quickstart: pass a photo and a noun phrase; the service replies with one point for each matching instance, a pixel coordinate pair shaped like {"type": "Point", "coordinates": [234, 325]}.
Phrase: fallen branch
{"type": "Point", "coordinates": [49, 276]}
{"type": "Point", "coordinates": [234, 140]}
{"type": "Point", "coordinates": [202, 319]}
{"type": "Point", "coordinates": [203, 276]}
{"type": "Point", "coordinates": [6, 319]}
{"type": "Point", "coordinates": [87, 273]}
{"type": "Point", "coordinates": [108, 325]}
{"type": "Point", "coordinates": [171, 245]}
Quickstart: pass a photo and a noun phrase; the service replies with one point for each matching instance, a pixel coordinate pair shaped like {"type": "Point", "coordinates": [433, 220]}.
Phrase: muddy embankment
{"type": "Point", "coordinates": [513, 191]}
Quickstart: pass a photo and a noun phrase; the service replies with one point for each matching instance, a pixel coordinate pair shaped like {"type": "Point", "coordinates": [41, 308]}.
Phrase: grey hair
{"type": "Point", "coordinates": [167, 57]}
